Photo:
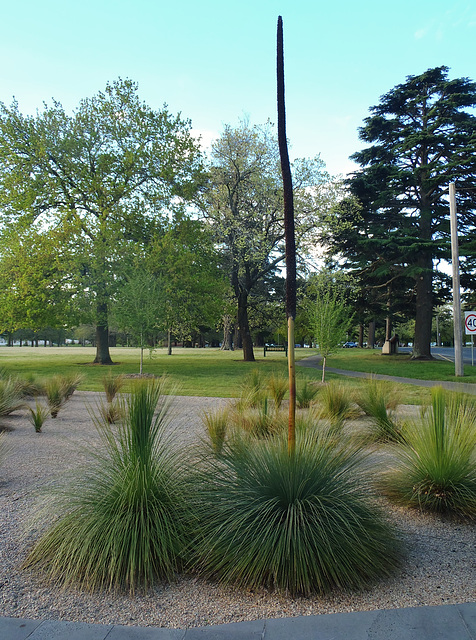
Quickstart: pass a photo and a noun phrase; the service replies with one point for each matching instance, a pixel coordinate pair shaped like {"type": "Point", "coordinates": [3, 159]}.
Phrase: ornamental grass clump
{"type": "Point", "coordinates": [278, 387]}
{"type": "Point", "coordinates": [435, 465]}
{"type": "Point", "coordinates": [336, 404]}
{"type": "Point", "coordinates": [112, 384]}
{"type": "Point", "coordinates": [301, 523]}
{"type": "Point", "coordinates": [11, 397]}
{"type": "Point", "coordinates": [38, 415]}
{"type": "Point", "coordinates": [127, 525]}
{"type": "Point", "coordinates": [378, 399]}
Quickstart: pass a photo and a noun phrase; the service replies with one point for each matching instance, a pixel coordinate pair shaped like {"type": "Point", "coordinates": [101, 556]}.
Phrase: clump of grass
{"type": "Point", "coordinates": [306, 393]}
{"type": "Point", "coordinates": [217, 424]}
{"type": "Point", "coordinates": [258, 421]}
{"type": "Point", "coordinates": [277, 386]}
{"type": "Point", "coordinates": [38, 415]}
{"type": "Point", "coordinates": [110, 412]}
{"type": "Point", "coordinates": [54, 395]}
{"type": "Point", "coordinates": [300, 523]}
{"type": "Point", "coordinates": [253, 391]}
{"type": "Point", "coordinates": [128, 524]}
{"type": "Point", "coordinates": [112, 384]}
{"type": "Point", "coordinates": [378, 399]}
{"type": "Point", "coordinates": [336, 404]}
{"type": "Point", "coordinates": [435, 467]}
{"type": "Point", "coordinates": [11, 397]}
{"type": "Point", "coordinates": [69, 384]}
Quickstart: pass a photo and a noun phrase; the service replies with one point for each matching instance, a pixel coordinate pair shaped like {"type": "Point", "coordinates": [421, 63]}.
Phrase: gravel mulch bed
{"type": "Point", "coordinates": [440, 567]}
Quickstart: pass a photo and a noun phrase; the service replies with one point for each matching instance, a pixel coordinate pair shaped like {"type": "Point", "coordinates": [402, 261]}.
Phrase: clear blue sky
{"type": "Point", "coordinates": [215, 61]}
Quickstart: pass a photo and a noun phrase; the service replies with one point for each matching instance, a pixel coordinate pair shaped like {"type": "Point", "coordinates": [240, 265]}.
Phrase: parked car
{"type": "Point", "coordinates": [350, 345]}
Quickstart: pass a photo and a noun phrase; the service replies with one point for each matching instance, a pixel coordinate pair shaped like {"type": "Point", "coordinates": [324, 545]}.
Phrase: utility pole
{"type": "Point", "coordinates": [459, 371]}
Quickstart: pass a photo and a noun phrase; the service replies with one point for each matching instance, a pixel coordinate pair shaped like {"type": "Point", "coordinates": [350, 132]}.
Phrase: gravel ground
{"type": "Point", "coordinates": [440, 567]}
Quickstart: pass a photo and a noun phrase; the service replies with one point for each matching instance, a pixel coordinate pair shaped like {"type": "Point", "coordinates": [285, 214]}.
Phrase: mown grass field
{"type": "Point", "coordinates": [215, 373]}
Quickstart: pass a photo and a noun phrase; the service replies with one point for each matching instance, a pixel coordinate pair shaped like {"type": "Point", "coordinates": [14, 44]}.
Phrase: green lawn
{"type": "Point", "coordinates": [372, 361]}
{"type": "Point", "coordinates": [211, 372]}
{"type": "Point", "coordinates": [200, 372]}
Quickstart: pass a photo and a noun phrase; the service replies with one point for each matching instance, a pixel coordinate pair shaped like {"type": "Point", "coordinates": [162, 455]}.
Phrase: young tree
{"type": "Point", "coordinates": [422, 136]}
{"type": "Point", "coordinates": [187, 264]}
{"type": "Point", "coordinates": [139, 307]}
{"type": "Point", "coordinates": [105, 173]}
{"type": "Point", "coordinates": [330, 320]}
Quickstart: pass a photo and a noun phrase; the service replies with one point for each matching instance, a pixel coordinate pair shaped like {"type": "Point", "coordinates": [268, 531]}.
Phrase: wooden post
{"type": "Point", "coordinates": [459, 369]}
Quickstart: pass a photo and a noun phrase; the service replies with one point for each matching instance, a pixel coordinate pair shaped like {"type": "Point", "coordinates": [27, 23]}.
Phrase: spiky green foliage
{"type": "Point", "coordinates": [306, 392]}
{"type": "Point", "coordinates": [378, 399]}
{"type": "Point", "coordinates": [336, 403]}
{"type": "Point", "coordinates": [278, 387]}
{"type": "Point", "coordinates": [301, 523]}
{"type": "Point", "coordinates": [253, 390]}
{"type": "Point", "coordinates": [69, 384]}
{"type": "Point", "coordinates": [217, 424]}
{"type": "Point", "coordinates": [435, 468]}
{"type": "Point", "coordinates": [38, 415]}
{"type": "Point", "coordinates": [112, 385]}
{"type": "Point", "coordinates": [11, 397]}
{"type": "Point", "coordinates": [54, 394]}
{"type": "Point", "coordinates": [127, 525]}
{"type": "Point", "coordinates": [110, 412]}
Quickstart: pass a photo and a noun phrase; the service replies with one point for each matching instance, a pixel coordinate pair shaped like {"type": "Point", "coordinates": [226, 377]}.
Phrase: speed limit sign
{"type": "Point", "coordinates": [470, 322]}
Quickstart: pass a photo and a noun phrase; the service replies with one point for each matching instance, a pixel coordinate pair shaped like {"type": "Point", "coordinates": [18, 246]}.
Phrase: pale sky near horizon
{"type": "Point", "coordinates": [215, 62]}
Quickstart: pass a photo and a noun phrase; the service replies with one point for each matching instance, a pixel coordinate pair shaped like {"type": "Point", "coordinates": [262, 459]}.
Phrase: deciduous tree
{"type": "Point", "coordinates": [105, 173]}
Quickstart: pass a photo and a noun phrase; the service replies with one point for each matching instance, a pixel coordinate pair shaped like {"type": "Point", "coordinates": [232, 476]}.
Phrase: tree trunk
{"type": "Point", "coordinates": [244, 327]}
{"type": "Point", "coordinates": [361, 335]}
{"type": "Point", "coordinates": [371, 335]}
{"type": "Point", "coordinates": [424, 310]}
{"type": "Point", "coordinates": [169, 342]}
{"type": "Point", "coordinates": [103, 355]}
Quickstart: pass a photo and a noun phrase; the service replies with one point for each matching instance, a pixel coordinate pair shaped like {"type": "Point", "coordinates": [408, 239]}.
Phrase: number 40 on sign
{"type": "Point", "coordinates": [470, 322]}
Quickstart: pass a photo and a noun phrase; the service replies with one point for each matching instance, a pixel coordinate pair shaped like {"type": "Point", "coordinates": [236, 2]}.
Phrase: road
{"type": "Point", "coordinates": [446, 353]}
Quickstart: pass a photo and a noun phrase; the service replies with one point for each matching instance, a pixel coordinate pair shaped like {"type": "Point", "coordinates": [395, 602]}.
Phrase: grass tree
{"type": "Point", "coordinates": [127, 525]}
{"type": "Point", "coordinates": [435, 465]}
{"type": "Point", "coordinates": [301, 523]}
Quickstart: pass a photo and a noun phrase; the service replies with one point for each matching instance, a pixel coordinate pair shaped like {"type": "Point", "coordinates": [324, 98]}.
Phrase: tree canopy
{"type": "Point", "coordinates": [421, 137]}
{"type": "Point", "coordinates": [105, 174]}
{"type": "Point", "coordinates": [243, 205]}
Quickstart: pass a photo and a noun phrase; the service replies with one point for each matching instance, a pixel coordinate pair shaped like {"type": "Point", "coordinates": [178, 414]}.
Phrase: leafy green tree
{"type": "Point", "coordinates": [329, 316]}
{"type": "Point", "coordinates": [421, 137]}
{"type": "Point", "coordinates": [104, 173]}
{"type": "Point", "coordinates": [139, 307]}
{"type": "Point", "coordinates": [187, 264]}
{"type": "Point", "coordinates": [244, 207]}
{"type": "Point", "coordinates": [36, 290]}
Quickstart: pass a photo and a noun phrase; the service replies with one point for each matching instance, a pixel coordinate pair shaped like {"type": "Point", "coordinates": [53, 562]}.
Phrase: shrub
{"type": "Point", "coordinates": [435, 467]}
{"type": "Point", "coordinates": [377, 399]}
{"type": "Point", "coordinates": [301, 523]}
{"type": "Point", "coordinates": [127, 525]}
{"type": "Point", "coordinates": [69, 384]}
{"type": "Point", "coordinates": [38, 415]}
